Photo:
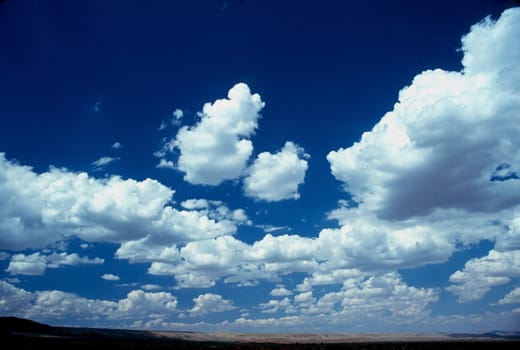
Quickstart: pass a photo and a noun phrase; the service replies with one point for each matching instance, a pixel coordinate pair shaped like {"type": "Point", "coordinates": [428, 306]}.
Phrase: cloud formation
{"type": "Point", "coordinates": [443, 164]}
{"type": "Point", "coordinates": [39, 209]}
{"type": "Point", "coordinates": [37, 263]}
{"type": "Point", "coordinates": [275, 177]}
{"type": "Point", "coordinates": [51, 304]}
{"type": "Point", "coordinates": [209, 303]}
{"type": "Point", "coordinates": [446, 136]}
{"type": "Point", "coordinates": [217, 147]}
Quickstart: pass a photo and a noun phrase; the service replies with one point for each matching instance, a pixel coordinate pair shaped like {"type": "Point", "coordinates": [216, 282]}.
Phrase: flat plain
{"type": "Point", "coordinates": [25, 334]}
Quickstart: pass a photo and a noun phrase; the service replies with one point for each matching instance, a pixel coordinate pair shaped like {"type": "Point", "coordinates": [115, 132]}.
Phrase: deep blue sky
{"type": "Point", "coordinates": [77, 77]}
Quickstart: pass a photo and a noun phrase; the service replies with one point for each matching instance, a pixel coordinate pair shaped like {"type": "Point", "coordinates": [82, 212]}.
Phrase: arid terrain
{"type": "Point", "coordinates": [25, 334]}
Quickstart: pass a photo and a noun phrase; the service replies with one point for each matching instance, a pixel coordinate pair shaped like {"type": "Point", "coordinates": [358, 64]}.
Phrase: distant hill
{"type": "Point", "coordinates": [10, 324]}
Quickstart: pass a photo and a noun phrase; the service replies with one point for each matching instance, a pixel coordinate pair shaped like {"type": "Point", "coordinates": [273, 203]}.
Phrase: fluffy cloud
{"type": "Point", "coordinates": [144, 304]}
{"type": "Point", "coordinates": [441, 168]}
{"type": "Point", "coordinates": [58, 305]}
{"type": "Point", "coordinates": [165, 164]}
{"type": "Point", "coordinates": [513, 297]}
{"type": "Point", "coordinates": [217, 147]}
{"type": "Point", "coordinates": [39, 209]}
{"type": "Point", "coordinates": [37, 263]}
{"type": "Point", "coordinates": [446, 137]}
{"type": "Point", "coordinates": [178, 113]}
{"type": "Point", "coordinates": [498, 267]}
{"type": "Point", "coordinates": [280, 291]}
{"type": "Point", "coordinates": [335, 254]}
{"type": "Point", "coordinates": [209, 303]}
{"type": "Point", "coordinates": [275, 177]}
{"type": "Point", "coordinates": [117, 145]}
{"type": "Point", "coordinates": [276, 305]}
{"type": "Point", "coordinates": [13, 300]}
{"type": "Point", "coordinates": [379, 302]}
{"type": "Point", "coordinates": [479, 275]}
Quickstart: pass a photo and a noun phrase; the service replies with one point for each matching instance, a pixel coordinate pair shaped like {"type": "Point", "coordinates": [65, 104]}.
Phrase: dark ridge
{"type": "Point", "coordinates": [11, 324]}
{"type": "Point", "coordinates": [489, 335]}
{"type": "Point", "coordinates": [26, 334]}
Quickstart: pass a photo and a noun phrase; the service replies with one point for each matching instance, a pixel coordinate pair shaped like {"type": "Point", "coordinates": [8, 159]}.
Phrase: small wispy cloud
{"type": "Point", "coordinates": [110, 277]}
{"type": "Point", "coordinates": [175, 121]}
{"type": "Point", "coordinates": [117, 145]}
{"type": "Point", "coordinates": [102, 162]}
{"type": "Point", "coordinates": [97, 106]}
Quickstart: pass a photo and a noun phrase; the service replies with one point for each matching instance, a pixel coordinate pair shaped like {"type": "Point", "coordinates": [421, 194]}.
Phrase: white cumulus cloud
{"type": "Point", "coordinates": [38, 209]}
{"type": "Point", "coordinates": [280, 291]}
{"type": "Point", "coordinates": [513, 297]}
{"type": "Point", "coordinates": [217, 147]}
{"type": "Point", "coordinates": [37, 263]}
{"type": "Point", "coordinates": [275, 177]}
{"type": "Point", "coordinates": [209, 303]}
{"type": "Point", "coordinates": [446, 136]}
{"type": "Point", "coordinates": [481, 274]}
{"type": "Point", "coordinates": [58, 305]}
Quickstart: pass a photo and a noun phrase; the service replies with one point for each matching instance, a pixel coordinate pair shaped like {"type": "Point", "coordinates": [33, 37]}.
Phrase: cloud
{"type": "Point", "coordinates": [441, 168]}
{"type": "Point", "coordinates": [217, 147]}
{"type": "Point", "coordinates": [276, 305]}
{"type": "Point", "coordinates": [381, 302]}
{"type": "Point", "coordinates": [280, 291]}
{"type": "Point", "coordinates": [365, 244]}
{"type": "Point", "coordinates": [102, 162]}
{"type": "Point", "coordinates": [36, 263]}
{"type": "Point", "coordinates": [275, 177]}
{"type": "Point", "coordinates": [178, 113]}
{"type": "Point", "coordinates": [58, 305]}
{"type": "Point", "coordinates": [210, 303]}
{"type": "Point", "coordinates": [498, 267]}
{"type": "Point", "coordinates": [117, 145]}
{"type": "Point", "coordinates": [513, 297]}
{"type": "Point", "coordinates": [40, 209]}
{"type": "Point", "coordinates": [150, 287]}
{"type": "Point", "coordinates": [97, 106]}
{"type": "Point", "coordinates": [446, 136]}
{"type": "Point", "coordinates": [481, 274]}
{"type": "Point", "coordinates": [175, 121]}
{"type": "Point", "coordinates": [196, 203]}
{"type": "Point", "coordinates": [144, 304]}
{"type": "Point", "coordinates": [165, 164]}
{"type": "Point", "coordinates": [110, 277]}
{"type": "Point", "coordinates": [13, 300]}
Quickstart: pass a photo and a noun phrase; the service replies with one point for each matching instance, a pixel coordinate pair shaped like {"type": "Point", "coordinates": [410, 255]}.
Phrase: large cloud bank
{"type": "Point", "coordinates": [447, 156]}
{"type": "Point", "coordinates": [39, 209]}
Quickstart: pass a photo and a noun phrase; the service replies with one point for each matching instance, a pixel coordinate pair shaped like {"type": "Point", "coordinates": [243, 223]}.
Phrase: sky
{"type": "Point", "coordinates": [260, 166]}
